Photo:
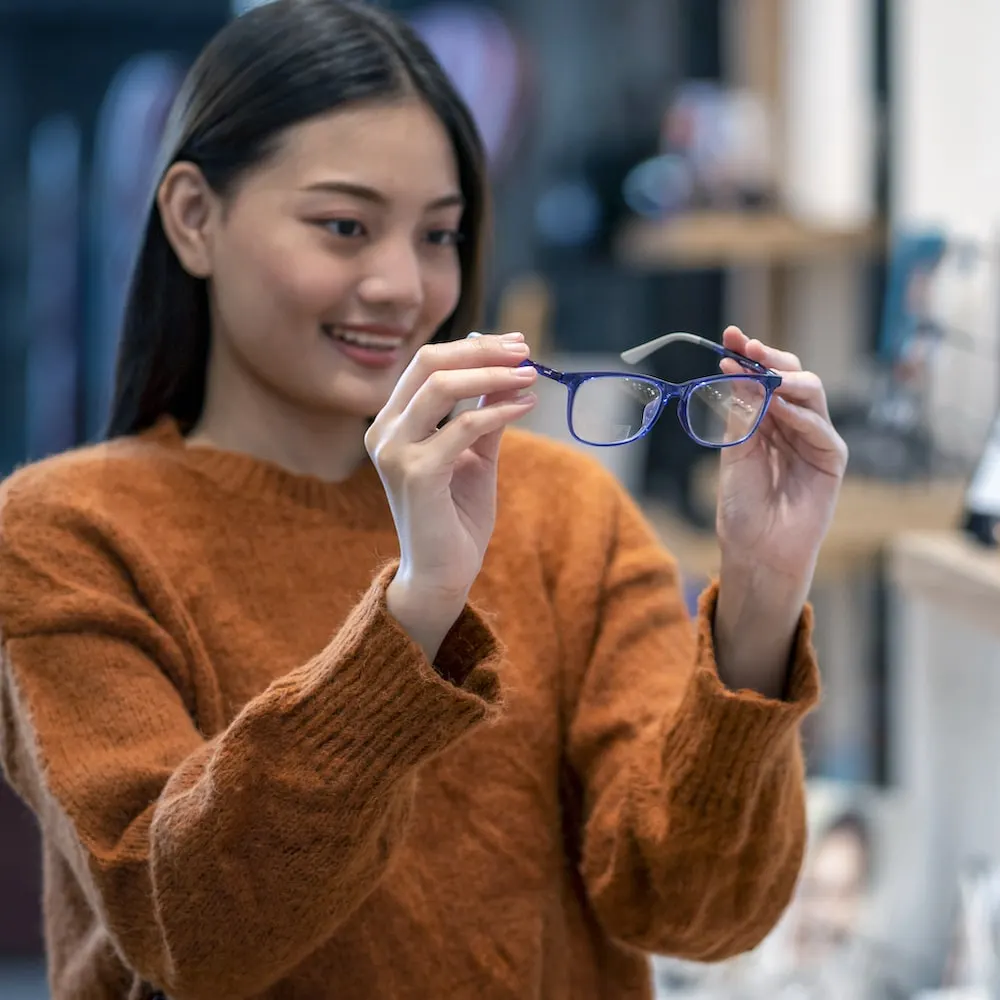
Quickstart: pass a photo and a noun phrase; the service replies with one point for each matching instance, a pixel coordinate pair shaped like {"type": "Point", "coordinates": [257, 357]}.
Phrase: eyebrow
{"type": "Point", "coordinates": [366, 193]}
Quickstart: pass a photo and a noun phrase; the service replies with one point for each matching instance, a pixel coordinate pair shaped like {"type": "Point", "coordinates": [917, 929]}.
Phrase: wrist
{"type": "Point", "coordinates": [424, 614]}
{"type": "Point", "coordinates": [757, 615]}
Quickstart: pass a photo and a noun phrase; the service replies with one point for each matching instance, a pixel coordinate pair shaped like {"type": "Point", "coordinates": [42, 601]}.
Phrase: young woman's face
{"type": "Point", "coordinates": [334, 262]}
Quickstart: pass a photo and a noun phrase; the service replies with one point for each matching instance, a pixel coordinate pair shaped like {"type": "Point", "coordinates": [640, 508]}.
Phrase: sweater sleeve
{"type": "Point", "coordinates": [693, 827]}
{"type": "Point", "coordinates": [218, 864]}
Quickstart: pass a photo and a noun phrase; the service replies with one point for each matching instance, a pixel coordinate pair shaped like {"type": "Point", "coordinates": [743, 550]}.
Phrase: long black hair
{"type": "Point", "coordinates": [278, 65]}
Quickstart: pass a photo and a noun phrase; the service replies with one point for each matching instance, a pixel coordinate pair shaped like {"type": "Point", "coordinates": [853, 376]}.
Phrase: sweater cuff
{"type": "Point", "coordinates": [802, 683]}
{"type": "Point", "coordinates": [470, 642]}
{"type": "Point", "coordinates": [721, 742]}
{"type": "Point", "coordinates": [372, 696]}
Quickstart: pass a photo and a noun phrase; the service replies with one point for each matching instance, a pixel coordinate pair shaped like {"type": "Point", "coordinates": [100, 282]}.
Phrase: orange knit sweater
{"type": "Point", "coordinates": [250, 782]}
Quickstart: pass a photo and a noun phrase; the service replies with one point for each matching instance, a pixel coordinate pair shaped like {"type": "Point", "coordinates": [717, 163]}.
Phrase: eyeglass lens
{"type": "Point", "coordinates": [613, 409]}
{"type": "Point", "coordinates": [725, 411]}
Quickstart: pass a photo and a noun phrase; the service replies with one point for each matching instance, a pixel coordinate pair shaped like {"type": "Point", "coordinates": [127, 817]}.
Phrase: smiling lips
{"type": "Point", "coordinates": [368, 346]}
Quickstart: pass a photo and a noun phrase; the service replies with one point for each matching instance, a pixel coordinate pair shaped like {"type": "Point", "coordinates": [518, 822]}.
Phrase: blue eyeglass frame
{"type": "Point", "coordinates": [681, 391]}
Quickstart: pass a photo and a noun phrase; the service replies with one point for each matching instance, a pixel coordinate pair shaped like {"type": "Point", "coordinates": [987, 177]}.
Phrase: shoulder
{"type": "Point", "coordinates": [70, 530]}
{"type": "Point", "coordinates": [76, 523]}
{"type": "Point", "coordinates": [112, 475]}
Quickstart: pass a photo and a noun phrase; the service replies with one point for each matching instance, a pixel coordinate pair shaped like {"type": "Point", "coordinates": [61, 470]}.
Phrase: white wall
{"type": "Point", "coordinates": [946, 113]}
{"type": "Point", "coordinates": [946, 172]}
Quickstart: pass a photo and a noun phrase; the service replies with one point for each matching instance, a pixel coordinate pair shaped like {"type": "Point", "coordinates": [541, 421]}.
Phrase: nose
{"type": "Point", "coordinates": [393, 276]}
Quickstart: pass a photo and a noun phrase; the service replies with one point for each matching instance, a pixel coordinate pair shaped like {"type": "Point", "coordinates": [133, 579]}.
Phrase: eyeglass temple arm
{"type": "Point", "coordinates": [552, 373]}
{"type": "Point", "coordinates": [636, 354]}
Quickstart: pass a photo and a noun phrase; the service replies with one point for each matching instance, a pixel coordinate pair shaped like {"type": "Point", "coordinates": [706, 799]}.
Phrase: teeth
{"type": "Point", "coordinates": [369, 340]}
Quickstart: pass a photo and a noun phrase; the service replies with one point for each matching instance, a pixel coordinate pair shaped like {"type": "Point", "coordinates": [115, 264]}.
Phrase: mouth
{"type": "Point", "coordinates": [365, 339]}
{"type": "Point", "coordinates": [371, 348]}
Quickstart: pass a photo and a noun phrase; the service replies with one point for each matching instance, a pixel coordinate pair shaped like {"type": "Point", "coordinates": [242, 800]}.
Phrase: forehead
{"type": "Point", "coordinates": [399, 148]}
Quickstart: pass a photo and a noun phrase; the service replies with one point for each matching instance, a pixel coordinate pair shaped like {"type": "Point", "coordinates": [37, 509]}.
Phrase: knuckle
{"type": "Point", "coordinates": [427, 357]}
{"type": "Point", "coordinates": [381, 453]}
{"type": "Point", "coordinates": [381, 448]}
{"type": "Point", "coordinates": [437, 380]}
{"type": "Point", "coordinates": [467, 420]}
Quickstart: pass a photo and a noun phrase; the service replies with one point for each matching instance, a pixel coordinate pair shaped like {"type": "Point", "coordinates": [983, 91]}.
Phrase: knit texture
{"type": "Point", "coordinates": [251, 783]}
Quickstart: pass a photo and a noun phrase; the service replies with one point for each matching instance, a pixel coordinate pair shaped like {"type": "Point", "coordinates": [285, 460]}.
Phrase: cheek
{"type": "Point", "coordinates": [281, 277]}
{"type": "Point", "coordinates": [306, 282]}
{"type": "Point", "coordinates": [442, 289]}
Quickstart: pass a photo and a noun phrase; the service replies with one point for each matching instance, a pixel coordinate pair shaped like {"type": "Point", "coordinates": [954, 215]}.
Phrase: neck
{"type": "Point", "coordinates": [240, 415]}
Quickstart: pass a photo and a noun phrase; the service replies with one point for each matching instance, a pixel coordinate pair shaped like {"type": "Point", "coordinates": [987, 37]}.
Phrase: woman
{"type": "Point", "coordinates": [301, 722]}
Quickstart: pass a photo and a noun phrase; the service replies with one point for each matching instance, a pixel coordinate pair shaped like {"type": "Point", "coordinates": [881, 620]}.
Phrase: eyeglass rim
{"type": "Point", "coordinates": [667, 390]}
{"type": "Point", "coordinates": [682, 392]}
{"type": "Point", "coordinates": [682, 414]}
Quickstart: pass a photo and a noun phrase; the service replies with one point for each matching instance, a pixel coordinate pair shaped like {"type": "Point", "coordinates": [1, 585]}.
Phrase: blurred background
{"type": "Point", "coordinates": [823, 173]}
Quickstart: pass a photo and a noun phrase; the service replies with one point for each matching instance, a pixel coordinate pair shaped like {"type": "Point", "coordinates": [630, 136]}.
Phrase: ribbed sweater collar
{"type": "Point", "coordinates": [360, 497]}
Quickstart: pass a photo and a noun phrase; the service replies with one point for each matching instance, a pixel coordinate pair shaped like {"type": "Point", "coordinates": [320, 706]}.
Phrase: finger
{"type": "Point", "coordinates": [445, 389]}
{"type": "Point", "coordinates": [489, 444]}
{"type": "Point", "coordinates": [812, 430]}
{"type": "Point", "coordinates": [471, 426]}
{"type": "Point", "coordinates": [804, 389]}
{"type": "Point", "coordinates": [506, 351]}
{"type": "Point", "coordinates": [499, 397]}
{"type": "Point", "coordinates": [495, 397]}
{"type": "Point", "coordinates": [772, 357]}
{"type": "Point", "coordinates": [735, 339]}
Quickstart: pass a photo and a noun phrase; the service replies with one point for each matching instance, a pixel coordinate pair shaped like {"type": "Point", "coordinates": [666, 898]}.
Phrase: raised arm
{"type": "Point", "coordinates": [217, 862]}
{"type": "Point", "coordinates": [693, 801]}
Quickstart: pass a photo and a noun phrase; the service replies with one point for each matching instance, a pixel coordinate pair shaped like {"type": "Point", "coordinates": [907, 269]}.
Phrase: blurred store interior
{"type": "Point", "coordinates": [824, 174]}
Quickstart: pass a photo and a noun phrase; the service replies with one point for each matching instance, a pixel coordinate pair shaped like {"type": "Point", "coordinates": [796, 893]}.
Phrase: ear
{"type": "Point", "coordinates": [188, 210]}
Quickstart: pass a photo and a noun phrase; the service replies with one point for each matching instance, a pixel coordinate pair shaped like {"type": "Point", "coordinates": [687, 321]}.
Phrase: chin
{"type": "Point", "coordinates": [360, 405]}
{"type": "Point", "coordinates": [361, 395]}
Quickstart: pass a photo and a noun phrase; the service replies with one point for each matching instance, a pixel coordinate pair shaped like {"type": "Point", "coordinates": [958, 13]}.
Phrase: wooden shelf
{"type": "Point", "coordinates": [870, 515]}
{"type": "Point", "coordinates": [950, 571]}
{"type": "Point", "coordinates": [724, 239]}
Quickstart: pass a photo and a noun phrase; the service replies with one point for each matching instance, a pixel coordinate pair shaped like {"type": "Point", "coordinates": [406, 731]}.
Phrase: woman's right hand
{"type": "Point", "coordinates": [441, 482]}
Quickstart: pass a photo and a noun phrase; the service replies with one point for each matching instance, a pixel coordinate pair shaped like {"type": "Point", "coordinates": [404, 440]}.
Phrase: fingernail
{"type": "Point", "coordinates": [469, 336]}
{"type": "Point", "coordinates": [517, 348]}
{"type": "Point", "coordinates": [524, 371]}
{"type": "Point", "coordinates": [512, 337]}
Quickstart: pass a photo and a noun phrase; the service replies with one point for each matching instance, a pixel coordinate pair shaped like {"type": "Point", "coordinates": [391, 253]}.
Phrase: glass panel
{"type": "Point", "coordinates": [613, 409]}
{"type": "Point", "coordinates": [725, 411]}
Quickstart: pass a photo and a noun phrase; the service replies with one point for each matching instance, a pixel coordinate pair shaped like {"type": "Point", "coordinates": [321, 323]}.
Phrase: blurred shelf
{"type": "Point", "coordinates": [725, 239]}
{"type": "Point", "coordinates": [870, 515]}
{"type": "Point", "coordinates": [950, 571]}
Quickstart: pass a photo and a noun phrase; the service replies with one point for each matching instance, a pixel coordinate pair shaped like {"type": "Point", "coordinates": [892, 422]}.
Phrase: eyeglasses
{"type": "Point", "coordinates": [606, 409]}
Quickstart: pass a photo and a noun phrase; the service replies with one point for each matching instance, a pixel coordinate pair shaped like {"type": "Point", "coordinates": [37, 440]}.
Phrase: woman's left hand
{"type": "Point", "coordinates": [778, 491]}
{"type": "Point", "coordinates": [777, 494]}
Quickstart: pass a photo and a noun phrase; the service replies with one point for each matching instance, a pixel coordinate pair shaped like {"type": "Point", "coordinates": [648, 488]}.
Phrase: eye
{"type": "Point", "coordinates": [345, 227]}
{"type": "Point", "coordinates": [445, 237]}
